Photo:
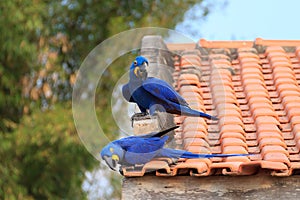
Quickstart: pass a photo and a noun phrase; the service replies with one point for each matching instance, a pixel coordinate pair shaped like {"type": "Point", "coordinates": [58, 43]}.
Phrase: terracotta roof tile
{"type": "Point", "coordinates": [253, 87]}
{"type": "Point", "coordinates": [225, 44]}
{"type": "Point", "coordinates": [260, 41]}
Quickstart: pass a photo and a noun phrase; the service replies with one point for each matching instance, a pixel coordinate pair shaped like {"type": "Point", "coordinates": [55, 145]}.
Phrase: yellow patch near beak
{"type": "Point", "coordinates": [115, 157]}
{"type": "Point", "coordinates": [136, 70]}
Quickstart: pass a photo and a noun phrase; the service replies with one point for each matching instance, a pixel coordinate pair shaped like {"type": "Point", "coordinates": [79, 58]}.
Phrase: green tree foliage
{"type": "Point", "coordinates": [47, 157]}
{"type": "Point", "coordinates": [42, 45]}
{"type": "Point", "coordinates": [19, 23]}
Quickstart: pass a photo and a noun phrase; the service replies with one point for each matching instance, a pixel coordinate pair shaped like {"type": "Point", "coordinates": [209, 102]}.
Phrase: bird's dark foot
{"type": "Point", "coordinates": [138, 115]}
{"type": "Point", "coordinates": [125, 167]}
{"type": "Point", "coordinates": [141, 114]}
{"type": "Point", "coordinates": [174, 161]}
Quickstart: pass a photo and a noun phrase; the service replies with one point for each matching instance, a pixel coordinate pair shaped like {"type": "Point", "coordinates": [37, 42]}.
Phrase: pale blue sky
{"type": "Point", "coordinates": [247, 20]}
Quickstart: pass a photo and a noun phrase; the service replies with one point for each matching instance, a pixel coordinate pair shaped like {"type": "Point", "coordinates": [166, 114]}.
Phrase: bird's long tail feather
{"type": "Point", "coordinates": [194, 113]}
{"type": "Point", "coordinates": [192, 155]}
{"type": "Point", "coordinates": [175, 153]}
{"type": "Point", "coordinates": [163, 132]}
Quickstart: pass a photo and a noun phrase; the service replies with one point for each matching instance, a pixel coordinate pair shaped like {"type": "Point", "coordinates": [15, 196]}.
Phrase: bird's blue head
{"type": "Point", "coordinates": [112, 154]}
{"type": "Point", "coordinates": [138, 68]}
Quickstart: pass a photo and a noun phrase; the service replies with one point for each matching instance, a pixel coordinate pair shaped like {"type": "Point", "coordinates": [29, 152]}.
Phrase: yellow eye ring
{"type": "Point", "coordinates": [135, 62]}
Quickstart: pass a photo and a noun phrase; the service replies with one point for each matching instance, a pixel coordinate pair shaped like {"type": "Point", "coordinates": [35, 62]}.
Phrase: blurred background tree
{"type": "Point", "coordinates": [42, 45]}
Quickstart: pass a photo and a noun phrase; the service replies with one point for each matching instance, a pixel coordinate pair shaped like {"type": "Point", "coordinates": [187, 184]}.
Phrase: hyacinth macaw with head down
{"type": "Point", "coordinates": [155, 94]}
{"type": "Point", "coordinates": [143, 148]}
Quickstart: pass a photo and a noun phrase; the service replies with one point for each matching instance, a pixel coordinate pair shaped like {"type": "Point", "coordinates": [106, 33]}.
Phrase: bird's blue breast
{"type": "Point", "coordinates": [143, 98]}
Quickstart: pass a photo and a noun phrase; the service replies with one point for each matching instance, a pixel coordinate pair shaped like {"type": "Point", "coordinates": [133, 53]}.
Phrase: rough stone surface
{"type": "Point", "coordinates": [145, 124]}
{"type": "Point", "coordinates": [260, 186]}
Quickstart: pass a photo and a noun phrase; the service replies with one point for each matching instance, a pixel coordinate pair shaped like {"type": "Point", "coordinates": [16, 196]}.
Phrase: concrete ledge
{"type": "Point", "coordinates": [260, 186]}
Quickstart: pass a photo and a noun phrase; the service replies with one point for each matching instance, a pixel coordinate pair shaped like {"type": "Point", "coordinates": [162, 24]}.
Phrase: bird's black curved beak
{"type": "Point", "coordinates": [143, 74]}
{"type": "Point", "coordinates": [111, 163]}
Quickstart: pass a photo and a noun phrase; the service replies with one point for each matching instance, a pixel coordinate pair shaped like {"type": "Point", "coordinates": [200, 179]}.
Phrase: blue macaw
{"type": "Point", "coordinates": [155, 94]}
{"type": "Point", "coordinates": [143, 148]}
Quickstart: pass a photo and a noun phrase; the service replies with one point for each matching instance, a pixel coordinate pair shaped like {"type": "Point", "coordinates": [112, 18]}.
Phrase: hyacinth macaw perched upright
{"type": "Point", "coordinates": [155, 94]}
{"type": "Point", "coordinates": [143, 148]}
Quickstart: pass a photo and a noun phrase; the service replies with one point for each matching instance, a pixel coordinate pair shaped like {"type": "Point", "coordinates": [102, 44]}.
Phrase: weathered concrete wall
{"type": "Point", "coordinates": [260, 186]}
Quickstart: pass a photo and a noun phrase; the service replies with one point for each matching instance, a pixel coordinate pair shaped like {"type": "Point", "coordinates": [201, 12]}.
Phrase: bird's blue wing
{"type": "Point", "coordinates": [126, 93]}
{"type": "Point", "coordinates": [140, 150]}
{"type": "Point", "coordinates": [162, 90]}
{"type": "Point", "coordinates": [138, 144]}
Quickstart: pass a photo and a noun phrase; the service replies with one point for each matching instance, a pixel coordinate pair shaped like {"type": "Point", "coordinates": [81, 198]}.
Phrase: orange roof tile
{"type": "Point", "coordinates": [260, 41]}
{"type": "Point", "coordinates": [224, 44]}
{"type": "Point", "coordinates": [256, 95]}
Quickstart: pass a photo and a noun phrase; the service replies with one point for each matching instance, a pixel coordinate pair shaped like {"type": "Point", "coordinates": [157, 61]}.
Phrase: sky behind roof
{"type": "Point", "coordinates": [249, 19]}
